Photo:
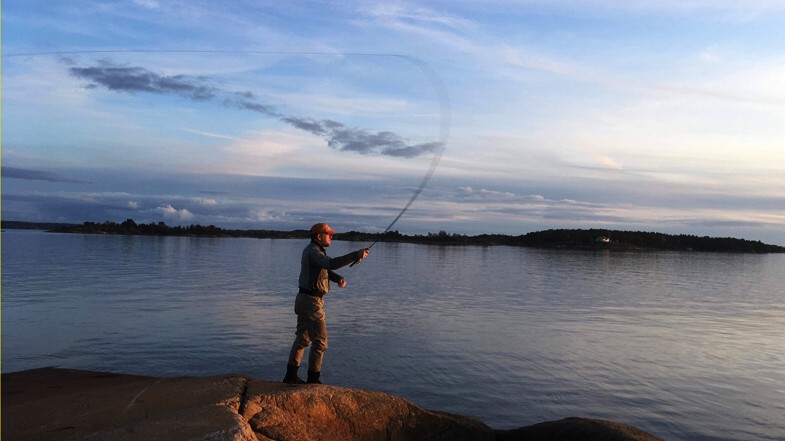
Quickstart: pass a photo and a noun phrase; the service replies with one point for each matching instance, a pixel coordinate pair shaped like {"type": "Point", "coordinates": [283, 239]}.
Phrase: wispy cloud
{"type": "Point", "coordinates": [36, 175]}
{"type": "Point", "coordinates": [340, 137]}
{"type": "Point", "coordinates": [199, 88]}
{"type": "Point", "coordinates": [724, 10]}
{"type": "Point", "coordinates": [400, 12]}
{"type": "Point", "coordinates": [138, 79]}
{"type": "Point", "coordinates": [147, 4]}
{"type": "Point", "coordinates": [212, 135]}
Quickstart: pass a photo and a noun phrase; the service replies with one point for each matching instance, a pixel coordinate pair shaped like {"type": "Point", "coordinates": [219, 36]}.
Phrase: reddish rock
{"type": "Point", "coordinates": [320, 412]}
{"type": "Point", "coordinates": [65, 405]}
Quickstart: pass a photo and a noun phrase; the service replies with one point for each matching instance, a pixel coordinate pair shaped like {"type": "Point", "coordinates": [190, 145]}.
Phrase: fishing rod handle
{"type": "Point", "coordinates": [360, 260]}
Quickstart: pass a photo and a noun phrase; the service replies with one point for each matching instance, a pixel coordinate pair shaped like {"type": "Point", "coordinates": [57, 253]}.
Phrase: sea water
{"type": "Point", "coordinates": [687, 346]}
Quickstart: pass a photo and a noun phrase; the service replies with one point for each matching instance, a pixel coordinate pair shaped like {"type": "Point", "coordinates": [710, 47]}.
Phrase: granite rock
{"type": "Point", "coordinates": [64, 405]}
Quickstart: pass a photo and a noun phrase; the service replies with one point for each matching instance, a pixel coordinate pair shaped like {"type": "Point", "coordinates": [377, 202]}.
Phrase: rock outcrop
{"type": "Point", "coordinates": [577, 429]}
{"type": "Point", "coordinates": [277, 412]}
{"type": "Point", "coordinates": [64, 405]}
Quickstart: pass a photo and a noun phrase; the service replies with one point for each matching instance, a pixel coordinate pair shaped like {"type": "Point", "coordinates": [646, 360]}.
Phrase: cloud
{"type": "Point", "coordinates": [198, 88]}
{"type": "Point", "coordinates": [611, 163]}
{"type": "Point", "coordinates": [484, 194]}
{"type": "Point", "coordinates": [172, 213]}
{"type": "Point", "coordinates": [497, 194]}
{"type": "Point", "coordinates": [261, 215]}
{"type": "Point", "coordinates": [211, 135]}
{"type": "Point", "coordinates": [36, 175]}
{"type": "Point", "coordinates": [133, 205]}
{"type": "Point", "coordinates": [138, 79]}
{"type": "Point", "coordinates": [247, 101]}
{"type": "Point", "coordinates": [399, 12]}
{"type": "Point", "coordinates": [343, 138]}
{"type": "Point", "coordinates": [147, 4]}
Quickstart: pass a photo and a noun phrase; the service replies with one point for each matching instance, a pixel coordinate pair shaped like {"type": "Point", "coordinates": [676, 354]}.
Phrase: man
{"type": "Point", "coordinates": [316, 273]}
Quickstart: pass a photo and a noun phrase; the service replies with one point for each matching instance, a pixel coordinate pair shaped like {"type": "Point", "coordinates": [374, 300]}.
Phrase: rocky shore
{"type": "Point", "coordinates": [61, 404]}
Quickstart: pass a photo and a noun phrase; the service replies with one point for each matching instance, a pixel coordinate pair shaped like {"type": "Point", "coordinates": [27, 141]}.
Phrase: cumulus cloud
{"type": "Point", "coordinates": [133, 205]}
{"type": "Point", "coordinates": [261, 215]}
{"type": "Point", "coordinates": [198, 88]}
{"type": "Point", "coordinates": [168, 211]}
{"type": "Point", "coordinates": [485, 194]}
{"type": "Point", "coordinates": [497, 194]}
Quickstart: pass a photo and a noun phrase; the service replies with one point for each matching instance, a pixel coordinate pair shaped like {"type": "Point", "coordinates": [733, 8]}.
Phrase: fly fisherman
{"type": "Point", "coordinates": [316, 273]}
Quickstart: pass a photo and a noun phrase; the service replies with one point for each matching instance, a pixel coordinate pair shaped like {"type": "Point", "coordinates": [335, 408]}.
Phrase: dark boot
{"type": "Point", "coordinates": [291, 375]}
{"type": "Point", "coordinates": [313, 377]}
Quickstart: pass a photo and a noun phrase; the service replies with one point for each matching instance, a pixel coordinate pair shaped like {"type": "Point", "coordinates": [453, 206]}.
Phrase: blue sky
{"type": "Point", "coordinates": [645, 115]}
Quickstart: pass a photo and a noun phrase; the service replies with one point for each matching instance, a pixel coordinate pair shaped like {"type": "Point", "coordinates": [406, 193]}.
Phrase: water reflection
{"type": "Point", "coordinates": [685, 345]}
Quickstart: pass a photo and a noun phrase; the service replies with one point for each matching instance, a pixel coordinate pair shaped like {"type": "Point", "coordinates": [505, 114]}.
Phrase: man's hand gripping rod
{"type": "Point", "coordinates": [360, 260]}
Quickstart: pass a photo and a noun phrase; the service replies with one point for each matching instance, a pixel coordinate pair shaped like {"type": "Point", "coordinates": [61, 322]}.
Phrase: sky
{"type": "Point", "coordinates": [664, 116]}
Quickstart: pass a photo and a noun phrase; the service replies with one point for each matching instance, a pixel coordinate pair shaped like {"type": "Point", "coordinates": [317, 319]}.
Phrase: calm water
{"type": "Point", "coordinates": [687, 346]}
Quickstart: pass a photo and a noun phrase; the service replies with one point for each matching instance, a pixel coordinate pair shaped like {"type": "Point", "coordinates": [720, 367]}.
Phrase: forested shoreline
{"type": "Point", "coordinates": [588, 239]}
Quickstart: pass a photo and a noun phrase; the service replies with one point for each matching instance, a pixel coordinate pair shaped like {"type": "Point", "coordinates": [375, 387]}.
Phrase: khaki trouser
{"type": "Point", "coordinates": [311, 327]}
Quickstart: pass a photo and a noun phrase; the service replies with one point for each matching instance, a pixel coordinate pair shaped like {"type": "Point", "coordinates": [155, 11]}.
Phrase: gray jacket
{"type": "Point", "coordinates": [316, 268]}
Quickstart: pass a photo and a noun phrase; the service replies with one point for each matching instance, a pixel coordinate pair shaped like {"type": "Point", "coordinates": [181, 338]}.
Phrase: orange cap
{"type": "Point", "coordinates": [322, 228]}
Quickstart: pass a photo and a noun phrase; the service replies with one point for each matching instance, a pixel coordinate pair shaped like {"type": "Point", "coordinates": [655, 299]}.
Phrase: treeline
{"type": "Point", "coordinates": [130, 227]}
{"type": "Point", "coordinates": [592, 239]}
{"type": "Point", "coordinates": [638, 240]}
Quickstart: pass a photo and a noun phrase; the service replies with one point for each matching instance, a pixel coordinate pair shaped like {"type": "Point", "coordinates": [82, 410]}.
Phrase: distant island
{"type": "Point", "coordinates": [582, 239]}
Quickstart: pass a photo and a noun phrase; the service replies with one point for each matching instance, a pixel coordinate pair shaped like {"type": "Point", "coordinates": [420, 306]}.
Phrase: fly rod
{"type": "Point", "coordinates": [444, 133]}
